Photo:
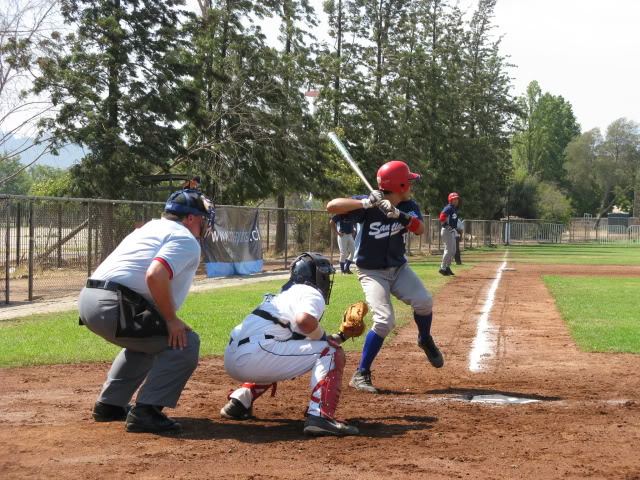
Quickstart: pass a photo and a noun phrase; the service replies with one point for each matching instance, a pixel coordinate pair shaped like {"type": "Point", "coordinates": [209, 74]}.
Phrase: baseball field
{"type": "Point", "coordinates": [540, 380]}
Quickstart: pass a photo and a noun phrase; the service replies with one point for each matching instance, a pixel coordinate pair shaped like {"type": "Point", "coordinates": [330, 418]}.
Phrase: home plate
{"type": "Point", "coordinates": [501, 399]}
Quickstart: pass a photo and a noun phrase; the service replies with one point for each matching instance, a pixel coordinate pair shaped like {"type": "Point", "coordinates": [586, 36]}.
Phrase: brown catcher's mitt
{"type": "Point", "coordinates": [353, 320]}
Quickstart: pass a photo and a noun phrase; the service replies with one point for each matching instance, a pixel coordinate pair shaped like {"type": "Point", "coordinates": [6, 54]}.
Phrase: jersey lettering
{"type": "Point", "coordinates": [378, 230]}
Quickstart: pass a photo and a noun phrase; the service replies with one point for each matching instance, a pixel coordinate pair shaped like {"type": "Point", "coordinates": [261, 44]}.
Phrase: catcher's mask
{"type": "Point", "coordinates": [193, 202]}
{"type": "Point", "coordinates": [315, 270]}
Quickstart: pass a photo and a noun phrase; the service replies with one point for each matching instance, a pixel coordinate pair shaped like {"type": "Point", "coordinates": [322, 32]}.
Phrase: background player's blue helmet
{"type": "Point", "coordinates": [315, 270]}
{"type": "Point", "coordinates": [191, 202]}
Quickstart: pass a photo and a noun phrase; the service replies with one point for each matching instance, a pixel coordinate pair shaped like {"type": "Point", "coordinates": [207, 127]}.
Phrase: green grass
{"type": "Point", "coordinates": [575, 254]}
{"type": "Point", "coordinates": [602, 312]}
{"type": "Point", "coordinates": [57, 338]}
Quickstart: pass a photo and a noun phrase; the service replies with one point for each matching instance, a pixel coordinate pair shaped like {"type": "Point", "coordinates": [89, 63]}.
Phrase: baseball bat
{"type": "Point", "coordinates": [345, 153]}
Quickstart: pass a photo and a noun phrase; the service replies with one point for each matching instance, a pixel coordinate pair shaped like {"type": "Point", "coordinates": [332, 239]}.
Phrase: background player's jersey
{"type": "Point", "coordinates": [380, 241]}
{"type": "Point", "coordinates": [449, 216]}
{"type": "Point", "coordinates": [342, 224]}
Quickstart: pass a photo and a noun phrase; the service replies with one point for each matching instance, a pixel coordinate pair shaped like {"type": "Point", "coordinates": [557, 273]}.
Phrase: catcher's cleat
{"type": "Point", "coordinates": [235, 410]}
{"type": "Point", "coordinates": [149, 419]}
{"type": "Point", "coordinates": [449, 272]}
{"type": "Point", "coordinates": [433, 353]}
{"type": "Point", "coordinates": [361, 380]}
{"type": "Point", "coordinates": [316, 426]}
{"type": "Point", "coordinates": [104, 412]}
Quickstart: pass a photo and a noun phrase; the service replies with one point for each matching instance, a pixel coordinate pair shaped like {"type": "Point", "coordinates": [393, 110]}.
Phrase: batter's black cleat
{"type": "Point", "coordinates": [442, 271]}
{"type": "Point", "coordinates": [361, 380]}
{"type": "Point", "coordinates": [235, 410]}
{"type": "Point", "coordinates": [433, 353]}
{"type": "Point", "coordinates": [320, 426]}
{"type": "Point", "coordinates": [105, 412]}
{"type": "Point", "coordinates": [449, 272]}
{"type": "Point", "coordinates": [148, 418]}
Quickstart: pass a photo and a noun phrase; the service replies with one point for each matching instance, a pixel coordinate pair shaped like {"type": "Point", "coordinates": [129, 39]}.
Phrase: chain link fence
{"type": "Point", "coordinates": [49, 246]}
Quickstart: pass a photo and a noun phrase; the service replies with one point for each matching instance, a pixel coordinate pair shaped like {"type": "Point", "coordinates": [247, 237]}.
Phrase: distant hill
{"type": "Point", "coordinates": [68, 155]}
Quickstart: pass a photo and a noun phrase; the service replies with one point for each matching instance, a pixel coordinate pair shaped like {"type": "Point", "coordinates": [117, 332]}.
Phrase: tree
{"type": "Point", "coordinates": [17, 181]}
{"type": "Point", "coordinates": [606, 166]}
{"type": "Point", "coordinates": [23, 26]}
{"type": "Point", "coordinates": [544, 130]}
{"type": "Point", "coordinates": [116, 82]}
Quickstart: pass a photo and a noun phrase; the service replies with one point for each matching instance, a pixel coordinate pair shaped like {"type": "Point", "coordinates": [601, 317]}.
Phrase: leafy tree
{"type": "Point", "coordinates": [116, 83]}
{"type": "Point", "coordinates": [545, 128]}
{"type": "Point", "coordinates": [552, 204]}
{"type": "Point", "coordinates": [49, 181]}
{"type": "Point", "coordinates": [17, 181]}
{"type": "Point", "coordinates": [606, 166]}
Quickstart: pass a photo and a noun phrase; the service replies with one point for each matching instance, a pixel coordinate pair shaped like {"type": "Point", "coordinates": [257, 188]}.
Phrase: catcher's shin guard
{"type": "Point", "coordinates": [325, 395]}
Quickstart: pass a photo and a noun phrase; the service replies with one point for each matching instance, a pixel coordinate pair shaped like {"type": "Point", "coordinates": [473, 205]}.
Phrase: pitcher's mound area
{"type": "Point", "coordinates": [584, 424]}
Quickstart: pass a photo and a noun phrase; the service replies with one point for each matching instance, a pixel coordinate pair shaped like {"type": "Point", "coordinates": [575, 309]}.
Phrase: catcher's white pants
{"type": "Point", "coordinates": [449, 239]}
{"type": "Point", "coordinates": [264, 361]}
{"type": "Point", "coordinates": [402, 283]}
{"type": "Point", "coordinates": [347, 246]}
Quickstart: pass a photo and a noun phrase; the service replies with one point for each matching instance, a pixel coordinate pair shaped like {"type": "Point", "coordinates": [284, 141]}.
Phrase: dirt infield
{"type": "Point", "coordinates": [586, 423]}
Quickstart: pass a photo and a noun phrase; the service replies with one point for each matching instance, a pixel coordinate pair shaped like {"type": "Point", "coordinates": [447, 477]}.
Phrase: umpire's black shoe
{"type": "Point", "coordinates": [149, 418]}
{"type": "Point", "coordinates": [320, 426]}
{"type": "Point", "coordinates": [361, 380]}
{"type": "Point", "coordinates": [449, 272]}
{"type": "Point", "coordinates": [235, 410]}
{"type": "Point", "coordinates": [433, 353]}
{"type": "Point", "coordinates": [104, 412]}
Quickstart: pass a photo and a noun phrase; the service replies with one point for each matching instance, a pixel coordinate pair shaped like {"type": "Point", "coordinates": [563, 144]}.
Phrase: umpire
{"type": "Point", "coordinates": [131, 301]}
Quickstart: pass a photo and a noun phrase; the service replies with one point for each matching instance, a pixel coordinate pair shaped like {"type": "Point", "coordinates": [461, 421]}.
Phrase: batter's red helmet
{"type": "Point", "coordinates": [452, 196]}
{"type": "Point", "coordinates": [395, 176]}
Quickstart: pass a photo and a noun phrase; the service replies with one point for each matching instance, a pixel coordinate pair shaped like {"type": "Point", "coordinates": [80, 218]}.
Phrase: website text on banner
{"type": "Point", "coordinates": [234, 247]}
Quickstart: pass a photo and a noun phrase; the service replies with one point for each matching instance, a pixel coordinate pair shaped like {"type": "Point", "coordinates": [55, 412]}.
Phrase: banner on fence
{"type": "Point", "coordinates": [234, 247]}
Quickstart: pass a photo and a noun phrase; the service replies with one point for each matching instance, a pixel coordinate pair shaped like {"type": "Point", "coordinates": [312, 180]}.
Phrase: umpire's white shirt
{"type": "Point", "coordinates": [285, 306]}
{"type": "Point", "coordinates": [163, 239]}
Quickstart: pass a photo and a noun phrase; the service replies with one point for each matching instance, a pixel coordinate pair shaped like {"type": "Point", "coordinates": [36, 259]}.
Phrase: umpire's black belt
{"type": "Point", "coordinates": [103, 284]}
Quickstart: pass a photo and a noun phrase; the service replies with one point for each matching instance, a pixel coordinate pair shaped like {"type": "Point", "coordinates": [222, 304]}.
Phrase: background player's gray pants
{"type": "Point", "coordinates": [401, 282]}
{"type": "Point", "coordinates": [166, 370]}
{"type": "Point", "coordinates": [347, 247]}
{"type": "Point", "coordinates": [449, 239]}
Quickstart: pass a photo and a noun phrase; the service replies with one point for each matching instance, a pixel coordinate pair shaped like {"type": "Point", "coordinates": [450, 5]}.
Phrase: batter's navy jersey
{"type": "Point", "coordinates": [380, 243]}
{"type": "Point", "coordinates": [342, 224]}
{"type": "Point", "coordinates": [449, 216]}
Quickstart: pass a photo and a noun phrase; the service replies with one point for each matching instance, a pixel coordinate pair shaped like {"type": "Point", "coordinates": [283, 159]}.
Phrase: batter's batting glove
{"type": "Point", "coordinates": [388, 209]}
{"type": "Point", "coordinates": [375, 197]}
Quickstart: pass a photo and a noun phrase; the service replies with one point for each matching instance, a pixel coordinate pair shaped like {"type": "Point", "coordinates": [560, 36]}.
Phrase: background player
{"type": "Point", "coordinates": [449, 222]}
{"type": "Point", "coordinates": [282, 339]}
{"type": "Point", "coordinates": [346, 243]}
{"type": "Point", "coordinates": [382, 266]}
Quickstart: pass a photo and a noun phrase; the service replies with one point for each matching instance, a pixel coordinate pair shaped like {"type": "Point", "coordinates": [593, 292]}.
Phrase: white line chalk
{"type": "Point", "coordinates": [482, 347]}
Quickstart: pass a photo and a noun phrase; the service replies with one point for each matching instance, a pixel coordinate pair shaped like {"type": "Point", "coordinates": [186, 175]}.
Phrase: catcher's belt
{"type": "Point", "coordinates": [267, 316]}
{"type": "Point", "coordinates": [248, 339]}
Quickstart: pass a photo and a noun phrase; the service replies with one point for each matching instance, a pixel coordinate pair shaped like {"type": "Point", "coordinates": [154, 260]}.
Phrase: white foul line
{"type": "Point", "coordinates": [482, 347]}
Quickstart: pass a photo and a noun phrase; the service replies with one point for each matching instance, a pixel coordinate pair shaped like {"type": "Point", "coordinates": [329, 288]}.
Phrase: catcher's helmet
{"type": "Point", "coordinates": [314, 270]}
{"type": "Point", "coordinates": [395, 176]}
{"type": "Point", "coordinates": [191, 202]}
{"type": "Point", "coordinates": [452, 196]}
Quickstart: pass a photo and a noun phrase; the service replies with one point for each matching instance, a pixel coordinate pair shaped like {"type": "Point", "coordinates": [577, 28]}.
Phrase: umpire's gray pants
{"type": "Point", "coordinates": [166, 370]}
{"type": "Point", "coordinates": [402, 283]}
{"type": "Point", "coordinates": [449, 239]}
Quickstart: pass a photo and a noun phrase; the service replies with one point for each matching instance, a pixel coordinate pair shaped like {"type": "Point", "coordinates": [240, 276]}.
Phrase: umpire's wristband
{"type": "Point", "coordinates": [409, 222]}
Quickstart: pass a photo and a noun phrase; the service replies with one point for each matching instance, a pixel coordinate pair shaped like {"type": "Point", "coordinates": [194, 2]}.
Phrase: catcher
{"type": "Point", "coordinates": [282, 339]}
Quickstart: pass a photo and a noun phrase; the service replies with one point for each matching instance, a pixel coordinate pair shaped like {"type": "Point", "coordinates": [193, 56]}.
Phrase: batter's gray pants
{"type": "Point", "coordinates": [449, 239]}
{"type": "Point", "coordinates": [166, 370]}
{"type": "Point", "coordinates": [402, 283]}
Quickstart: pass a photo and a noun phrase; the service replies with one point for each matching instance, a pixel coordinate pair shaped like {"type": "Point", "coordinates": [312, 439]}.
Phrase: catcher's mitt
{"type": "Point", "coordinates": [353, 320]}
